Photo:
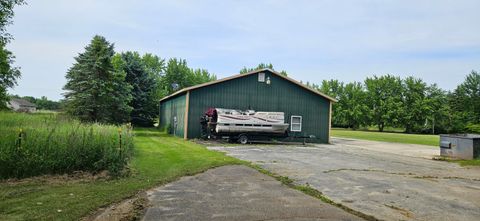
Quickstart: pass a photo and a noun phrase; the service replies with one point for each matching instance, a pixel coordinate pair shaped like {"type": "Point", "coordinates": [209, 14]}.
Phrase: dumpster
{"type": "Point", "coordinates": [460, 146]}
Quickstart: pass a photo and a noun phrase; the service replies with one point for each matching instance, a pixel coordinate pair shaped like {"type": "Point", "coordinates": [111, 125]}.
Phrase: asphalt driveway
{"type": "Point", "coordinates": [379, 179]}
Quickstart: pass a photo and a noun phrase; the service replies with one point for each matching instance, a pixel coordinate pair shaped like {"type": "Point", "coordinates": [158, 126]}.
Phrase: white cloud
{"type": "Point", "coordinates": [313, 40]}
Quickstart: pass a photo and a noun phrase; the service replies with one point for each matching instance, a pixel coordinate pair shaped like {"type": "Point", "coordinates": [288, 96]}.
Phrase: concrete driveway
{"type": "Point", "coordinates": [379, 179]}
{"type": "Point", "coordinates": [236, 193]}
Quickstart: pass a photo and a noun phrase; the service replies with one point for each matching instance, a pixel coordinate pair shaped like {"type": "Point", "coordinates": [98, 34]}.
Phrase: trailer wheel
{"type": "Point", "coordinates": [243, 139]}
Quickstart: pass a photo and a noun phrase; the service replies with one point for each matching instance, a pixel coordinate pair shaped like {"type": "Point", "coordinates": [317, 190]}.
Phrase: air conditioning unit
{"type": "Point", "coordinates": [460, 146]}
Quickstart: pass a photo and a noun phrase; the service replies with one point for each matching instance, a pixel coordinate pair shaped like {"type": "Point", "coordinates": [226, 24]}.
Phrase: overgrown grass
{"type": "Point", "coordinates": [463, 163]}
{"type": "Point", "coordinates": [158, 159]}
{"type": "Point", "coordinates": [423, 139]}
{"type": "Point", "coordinates": [35, 144]}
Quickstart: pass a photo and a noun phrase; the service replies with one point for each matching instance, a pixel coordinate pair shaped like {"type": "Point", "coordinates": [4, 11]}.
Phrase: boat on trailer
{"type": "Point", "coordinates": [236, 121]}
{"type": "Point", "coordinates": [241, 125]}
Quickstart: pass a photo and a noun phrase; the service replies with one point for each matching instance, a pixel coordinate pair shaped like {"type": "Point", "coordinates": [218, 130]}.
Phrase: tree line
{"type": "Point", "coordinates": [409, 103]}
{"type": "Point", "coordinates": [260, 66]}
{"type": "Point", "coordinates": [42, 103]}
{"type": "Point", "coordinates": [109, 87]}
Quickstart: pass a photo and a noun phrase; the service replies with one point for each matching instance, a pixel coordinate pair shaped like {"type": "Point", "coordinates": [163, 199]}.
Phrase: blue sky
{"type": "Point", "coordinates": [438, 41]}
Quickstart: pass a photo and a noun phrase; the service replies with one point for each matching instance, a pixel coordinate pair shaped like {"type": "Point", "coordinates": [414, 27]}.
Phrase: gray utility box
{"type": "Point", "coordinates": [461, 146]}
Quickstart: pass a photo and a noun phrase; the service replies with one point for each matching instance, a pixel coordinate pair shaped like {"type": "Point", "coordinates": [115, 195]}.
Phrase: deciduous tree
{"type": "Point", "coordinates": [414, 104]}
{"type": "Point", "coordinates": [385, 100]}
{"type": "Point", "coordinates": [178, 75]}
{"type": "Point", "coordinates": [155, 67]}
{"type": "Point", "coordinates": [437, 110]}
{"type": "Point", "coordinates": [6, 15]}
{"type": "Point", "coordinates": [334, 89]}
{"type": "Point", "coordinates": [353, 102]}
{"type": "Point", "coordinates": [8, 72]}
{"type": "Point", "coordinates": [261, 66]}
{"type": "Point", "coordinates": [467, 97]}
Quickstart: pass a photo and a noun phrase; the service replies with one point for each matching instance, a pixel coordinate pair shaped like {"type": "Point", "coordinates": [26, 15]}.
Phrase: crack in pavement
{"type": "Point", "coordinates": [409, 174]}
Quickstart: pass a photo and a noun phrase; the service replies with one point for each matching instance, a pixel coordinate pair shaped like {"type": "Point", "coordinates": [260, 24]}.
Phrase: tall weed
{"type": "Point", "coordinates": [35, 144]}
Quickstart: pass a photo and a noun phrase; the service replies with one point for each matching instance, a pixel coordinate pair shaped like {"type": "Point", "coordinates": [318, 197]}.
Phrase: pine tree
{"type": "Point", "coordinates": [143, 83]}
{"type": "Point", "coordinates": [95, 91]}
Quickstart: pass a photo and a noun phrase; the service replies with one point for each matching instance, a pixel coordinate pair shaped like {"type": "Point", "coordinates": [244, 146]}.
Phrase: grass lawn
{"type": "Point", "coordinates": [431, 140]}
{"type": "Point", "coordinates": [385, 129]}
{"type": "Point", "coordinates": [475, 162]}
{"type": "Point", "coordinates": [158, 159]}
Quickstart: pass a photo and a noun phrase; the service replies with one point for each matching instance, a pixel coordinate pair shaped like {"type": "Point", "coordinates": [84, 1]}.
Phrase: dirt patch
{"type": "Point", "coordinates": [129, 209]}
{"type": "Point", "coordinates": [75, 177]}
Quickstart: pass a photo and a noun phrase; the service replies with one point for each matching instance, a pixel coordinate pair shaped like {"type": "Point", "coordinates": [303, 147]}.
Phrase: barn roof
{"type": "Point", "coordinates": [244, 75]}
{"type": "Point", "coordinates": [22, 102]}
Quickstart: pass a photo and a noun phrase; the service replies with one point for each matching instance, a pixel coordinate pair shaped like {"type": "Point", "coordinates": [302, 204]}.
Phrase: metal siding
{"type": "Point", "coordinates": [247, 93]}
{"type": "Point", "coordinates": [171, 108]}
{"type": "Point", "coordinates": [476, 148]}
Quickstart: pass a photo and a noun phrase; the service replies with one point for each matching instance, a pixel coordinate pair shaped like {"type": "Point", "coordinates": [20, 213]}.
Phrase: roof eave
{"type": "Point", "coordinates": [246, 74]}
{"type": "Point", "coordinates": [304, 86]}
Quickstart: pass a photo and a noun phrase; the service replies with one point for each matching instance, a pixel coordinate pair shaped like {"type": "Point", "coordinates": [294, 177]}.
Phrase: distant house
{"type": "Point", "coordinates": [21, 105]}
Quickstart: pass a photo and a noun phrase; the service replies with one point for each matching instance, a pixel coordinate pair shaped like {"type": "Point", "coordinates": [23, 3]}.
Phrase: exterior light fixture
{"type": "Point", "coordinates": [268, 81]}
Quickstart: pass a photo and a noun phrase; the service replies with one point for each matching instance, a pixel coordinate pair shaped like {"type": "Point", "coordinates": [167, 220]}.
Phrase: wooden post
{"type": "Point", "coordinates": [19, 140]}
{"type": "Point", "coordinates": [185, 118]}
{"type": "Point", "coordinates": [120, 138]}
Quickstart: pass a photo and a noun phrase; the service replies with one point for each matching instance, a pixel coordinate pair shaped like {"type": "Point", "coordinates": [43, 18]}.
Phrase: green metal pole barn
{"type": "Point", "coordinates": [260, 90]}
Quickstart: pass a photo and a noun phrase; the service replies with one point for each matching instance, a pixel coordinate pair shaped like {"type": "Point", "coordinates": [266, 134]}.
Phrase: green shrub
{"type": "Point", "coordinates": [169, 129]}
{"type": "Point", "coordinates": [473, 128]}
{"type": "Point", "coordinates": [35, 144]}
